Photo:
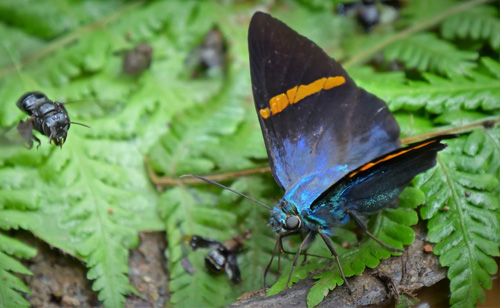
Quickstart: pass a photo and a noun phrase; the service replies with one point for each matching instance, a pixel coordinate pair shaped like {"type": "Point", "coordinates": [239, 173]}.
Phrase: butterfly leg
{"type": "Point", "coordinates": [283, 250]}
{"type": "Point", "coordinates": [362, 226]}
{"type": "Point", "coordinates": [303, 246]}
{"type": "Point", "coordinates": [270, 262]}
{"type": "Point", "coordinates": [329, 244]}
{"type": "Point", "coordinates": [305, 252]}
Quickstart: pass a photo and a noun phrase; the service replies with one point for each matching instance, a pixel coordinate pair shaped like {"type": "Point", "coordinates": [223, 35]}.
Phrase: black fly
{"type": "Point", "coordinates": [49, 118]}
{"type": "Point", "coordinates": [223, 257]}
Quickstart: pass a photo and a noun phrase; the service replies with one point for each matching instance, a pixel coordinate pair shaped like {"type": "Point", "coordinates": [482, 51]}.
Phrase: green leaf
{"type": "Point", "coordinates": [425, 52]}
{"type": "Point", "coordinates": [95, 215]}
{"type": "Point", "coordinates": [437, 94]}
{"type": "Point", "coordinates": [412, 124]}
{"type": "Point", "coordinates": [10, 284]}
{"type": "Point", "coordinates": [49, 21]}
{"type": "Point", "coordinates": [95, 191]}
{"type": "Point", "coordinates": [187, 147]}
{"type": "Point", "coordinates": [461, 209]}
{"type": "Point", "coordinates": [479, 23]}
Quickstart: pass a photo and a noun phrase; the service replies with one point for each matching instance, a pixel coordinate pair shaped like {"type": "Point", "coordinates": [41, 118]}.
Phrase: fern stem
{"type": "Point", "coordinates": [171, 181]}
{"type": "Point", "coordinates": [453, 130]}
{"type": "Point", "coordinates": [366, 54]}
{"type": "Point", "coordinates": [65, 40]}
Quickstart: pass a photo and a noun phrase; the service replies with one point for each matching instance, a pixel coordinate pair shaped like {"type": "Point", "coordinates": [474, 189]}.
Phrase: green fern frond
{"type": "Point", "coordinates": [492, 137]}
{"type": "Point", "coordinates": [437, 94]}
{"type": "Point", "coordinates": [238, 151]}
{"type": "Point", "coordinates": [426, 52]}
{"type": "Point", "coordinates": [18, 41]}
{"type": "Point", "coordinates": [95, 190]}
{"type": "Point", "coordinates": [418, 11]}
{"type": "Point", "coordinates": [95, 216]}
{"type": "Point", "coordinates": [19, 197]}
{"type": "Point", "coordinates": [183, 149]}
{"type": "Point", "coordinates": [10, 284]}
{"type": "Point", "coordinates": [461, 209]}
{"type": "Point", "coordinates": [479, 23]}
{"type": "Point", "coordinates": [92, 49]}
{"type": "Point", "coordinates": [17, 201]}
{"type": "Point", "coordinates": [48, 21]}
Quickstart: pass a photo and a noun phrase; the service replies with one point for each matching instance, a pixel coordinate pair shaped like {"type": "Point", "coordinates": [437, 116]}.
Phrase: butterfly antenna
{"type": "Point", "coordinates": [80, 124]}
{"type": "Point", "coordinates": [227, 188]}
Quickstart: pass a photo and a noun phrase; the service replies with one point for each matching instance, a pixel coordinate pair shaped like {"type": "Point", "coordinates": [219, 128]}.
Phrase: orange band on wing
{"type": "Point", "coordinates": [265, 113]}
{"type": "Point", "coordinates": [388, 157]}
{"type": "Point", "coordinates": [279, 102]}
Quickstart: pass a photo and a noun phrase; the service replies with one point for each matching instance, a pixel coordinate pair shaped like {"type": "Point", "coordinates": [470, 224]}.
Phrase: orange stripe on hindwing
{"type": "Point", "coordinates": [279, 102]}
{"type": "Point", "coordinates": [388, 157]}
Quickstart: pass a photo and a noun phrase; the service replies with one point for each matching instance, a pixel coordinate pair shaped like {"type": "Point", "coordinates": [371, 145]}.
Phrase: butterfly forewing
{"type": "Point", "coordinates": [316, 122]}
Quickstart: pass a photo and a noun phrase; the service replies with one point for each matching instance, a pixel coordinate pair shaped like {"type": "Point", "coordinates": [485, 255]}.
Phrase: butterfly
{"type": "Point", "coordinates": [333, 147]}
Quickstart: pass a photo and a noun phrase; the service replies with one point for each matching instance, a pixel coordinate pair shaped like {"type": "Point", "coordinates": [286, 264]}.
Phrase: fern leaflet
{"type": "Point", "coordinates": [479, 23]}
{"type": "Point", "coordinates": [425, 52]}
{"type": "Point", "coordinates": [437, 94]}
{"type": "Point", "coordinates": [16, 202]}
{"type": "Point", "coordinates": [461, 209]}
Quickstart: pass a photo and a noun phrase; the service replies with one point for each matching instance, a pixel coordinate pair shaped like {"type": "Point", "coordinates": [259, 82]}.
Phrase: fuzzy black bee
{"type": "Point", "coordinates": [49, 118]}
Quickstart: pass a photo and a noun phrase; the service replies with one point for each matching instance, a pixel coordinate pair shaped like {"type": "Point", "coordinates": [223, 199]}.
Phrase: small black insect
{"type": "Point", "coordinates": [209, 57]}
{"type": "Point", "coordinates": [369, 12]}
{"type": "Point", "coordinates": [223, 257]}
{"type": "Point", "coordinates": [49, 118]}
{"type": "Point", "coordinates": [137, 60]}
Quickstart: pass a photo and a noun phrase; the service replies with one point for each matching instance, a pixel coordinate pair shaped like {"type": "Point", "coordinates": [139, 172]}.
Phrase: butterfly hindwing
{"type": "Point", "coordinates": [371, 187]}
{"type": "Point", "coordinates": [315, 120]}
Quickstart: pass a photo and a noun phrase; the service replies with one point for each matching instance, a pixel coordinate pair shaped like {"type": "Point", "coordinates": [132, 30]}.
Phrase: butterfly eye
{"type": "Point", "coordinates": [292, 223]}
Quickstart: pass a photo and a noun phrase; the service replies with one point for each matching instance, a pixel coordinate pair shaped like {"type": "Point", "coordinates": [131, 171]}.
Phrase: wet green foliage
{"type": "Point", "coordinates": [436, 66]}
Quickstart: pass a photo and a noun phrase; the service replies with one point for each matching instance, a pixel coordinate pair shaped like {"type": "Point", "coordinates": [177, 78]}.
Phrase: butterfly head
{"type": "Point", "coordinates": [284, 219]}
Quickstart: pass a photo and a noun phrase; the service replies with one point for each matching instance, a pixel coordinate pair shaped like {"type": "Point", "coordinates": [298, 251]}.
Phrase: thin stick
{"type": "Point", "coordinates": [461, 129]}
{"type": "Point", "coordinates": [170, 181]}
